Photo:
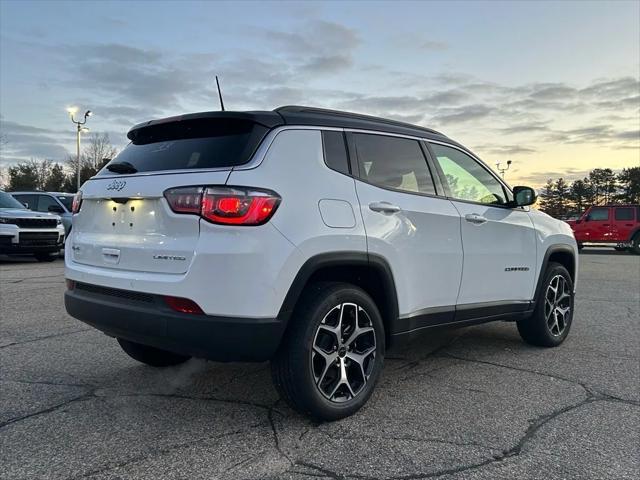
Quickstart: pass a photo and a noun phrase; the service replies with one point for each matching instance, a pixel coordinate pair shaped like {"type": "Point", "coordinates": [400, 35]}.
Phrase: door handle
{"type": "Point", "coordinates": [475, 218]}
{"type": "Point", "coordinates": [384, 207]}
{"type": "Point", "coordinates": [605, 224]}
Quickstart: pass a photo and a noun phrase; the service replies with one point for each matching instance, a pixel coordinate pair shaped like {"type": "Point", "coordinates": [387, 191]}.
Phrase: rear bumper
{"type": "Point", "coordinates": [145, 319]}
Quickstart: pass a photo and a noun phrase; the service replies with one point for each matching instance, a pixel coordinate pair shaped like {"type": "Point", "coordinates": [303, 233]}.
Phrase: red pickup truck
{"type": "Point", "coordinates": [618, 225]}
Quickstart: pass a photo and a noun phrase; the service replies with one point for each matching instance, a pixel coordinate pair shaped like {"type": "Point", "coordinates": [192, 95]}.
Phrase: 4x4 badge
{"type": "Point", "coordinates": [117, 185]}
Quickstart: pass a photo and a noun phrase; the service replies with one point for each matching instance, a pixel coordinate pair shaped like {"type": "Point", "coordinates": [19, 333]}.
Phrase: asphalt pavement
{"type": "Point", "coordinates": [472, 403]}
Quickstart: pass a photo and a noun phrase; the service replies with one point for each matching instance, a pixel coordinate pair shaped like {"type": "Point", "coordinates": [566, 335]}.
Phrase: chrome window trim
{"type": "Point", "coordinates": [266, 143]}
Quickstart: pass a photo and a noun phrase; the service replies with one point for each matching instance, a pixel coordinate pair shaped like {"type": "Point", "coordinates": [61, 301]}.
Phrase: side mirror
{"type": "Point", "coordinates": [55, 209]}
{"type": "Point", "coordinates": [523, 196]}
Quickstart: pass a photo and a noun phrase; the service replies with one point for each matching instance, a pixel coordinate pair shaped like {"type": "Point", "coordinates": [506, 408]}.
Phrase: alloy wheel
{"type": "Point", "coordinates": [557, 305]}
{"type": "Point", "coordinates": [344, 352]}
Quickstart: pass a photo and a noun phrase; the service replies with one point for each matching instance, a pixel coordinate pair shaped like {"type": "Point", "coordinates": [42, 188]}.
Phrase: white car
{"type": "Point", "coordinates": [25, 232]}
{"type": "Point", "coordinates": [313, 238]}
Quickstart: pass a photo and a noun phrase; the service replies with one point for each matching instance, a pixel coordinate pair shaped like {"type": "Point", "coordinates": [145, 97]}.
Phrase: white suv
{"type": "Point", "coordinates": [315, 239]}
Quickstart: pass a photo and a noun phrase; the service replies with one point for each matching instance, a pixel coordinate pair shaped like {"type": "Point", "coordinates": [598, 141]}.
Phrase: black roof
{"type": "Point", "coordinates": [300, 115]}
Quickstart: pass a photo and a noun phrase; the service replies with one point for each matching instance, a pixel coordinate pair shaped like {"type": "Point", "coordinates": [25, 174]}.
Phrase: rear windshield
{"type": "Point", "coordinates": [189, 144]}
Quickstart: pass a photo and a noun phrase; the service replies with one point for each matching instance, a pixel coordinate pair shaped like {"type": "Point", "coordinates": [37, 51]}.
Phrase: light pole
{"type": "Point", "coordinates": [503, 169]}
{"type": "Point", "coordinates": [79, 129]}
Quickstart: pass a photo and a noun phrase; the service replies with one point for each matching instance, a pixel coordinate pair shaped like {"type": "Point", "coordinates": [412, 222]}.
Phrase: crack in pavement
{"type": "Point", "coordinates": [588, 389]}
{"type": "Point", "coordinates": [37, 339]}
{"type": "Point", "coordinates": [162, 450]}
{"type": "Point", "coordinates": [407, 438]}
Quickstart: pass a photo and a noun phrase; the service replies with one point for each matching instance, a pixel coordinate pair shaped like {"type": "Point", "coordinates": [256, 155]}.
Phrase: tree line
{"type": "Point", "coordinates": [562, 199]}
{"type": "Point", "coordinates": [52, 176]}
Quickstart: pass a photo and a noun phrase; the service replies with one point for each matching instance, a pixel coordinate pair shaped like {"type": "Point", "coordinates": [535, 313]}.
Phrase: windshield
{"type": "Point", "coordinates": [66, 200]}
{"type": "Point", "coordinates": [209, 143]}
{"type": "Point", "coordinates": [7, 201]}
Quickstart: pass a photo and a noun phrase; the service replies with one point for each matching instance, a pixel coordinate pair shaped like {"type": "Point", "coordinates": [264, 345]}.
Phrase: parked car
{"type": "Point", "coordinates": [52, 202]}
{"type": "Point", "coordinates": [25, 232]}
{"type": "Point", "coordinates": [312, 238]}
{"type": "Point", "coordinates": [615, 225]}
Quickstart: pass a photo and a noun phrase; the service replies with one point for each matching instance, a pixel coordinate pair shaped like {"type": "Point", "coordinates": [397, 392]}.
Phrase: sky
{"type": "Point", "coordinates": [552, 86]}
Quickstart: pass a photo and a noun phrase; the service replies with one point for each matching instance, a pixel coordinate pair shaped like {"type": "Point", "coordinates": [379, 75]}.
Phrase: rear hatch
{"type": "Point", "coordinates": [125, 223]}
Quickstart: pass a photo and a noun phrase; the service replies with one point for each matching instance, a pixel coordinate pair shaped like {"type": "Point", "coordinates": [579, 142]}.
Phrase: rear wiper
{"type": "Point", "coordinates": [121, 167]}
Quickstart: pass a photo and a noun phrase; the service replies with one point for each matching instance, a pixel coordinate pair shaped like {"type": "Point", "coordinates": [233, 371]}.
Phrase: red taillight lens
{"type": "Point", "coordinates": [225, 205]}
{"type": "Point", "coordinates": [185, 200]}
{"type": "Point", "coordinates": [183, 305]}
{"type": "Point", "coordinates": [232, 206]}
{"type": "Point", "coordinates": [77, 202]}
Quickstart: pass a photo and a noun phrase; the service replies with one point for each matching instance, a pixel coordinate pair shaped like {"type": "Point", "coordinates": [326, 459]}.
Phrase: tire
{"type": "Point", "coordinates": [150, 355]}
{"type": "Point", "coordinates": [635, 244]}
{"type": "Point", "coordinates": [311, 366]}
{"type": "Point", "coordinates": [45, 257]}
{"type": "Point", "coordinates": [553, 314]}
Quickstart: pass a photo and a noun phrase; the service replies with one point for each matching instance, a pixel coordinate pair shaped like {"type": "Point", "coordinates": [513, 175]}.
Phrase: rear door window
{"type": "Point", "coordinates": [624, 213]}
{"type": "Point", "coordinates": [192, 144]}
{"type": "Point", "coordinates": [67, 201]}
{"type": "Point", "coordinates": [393, 162]}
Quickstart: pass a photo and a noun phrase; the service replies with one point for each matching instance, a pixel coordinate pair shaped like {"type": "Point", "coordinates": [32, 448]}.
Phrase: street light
{"type": "Point", "coordinates": [79, 129]}
{"type": "Point", "coordinates": [503, 169]}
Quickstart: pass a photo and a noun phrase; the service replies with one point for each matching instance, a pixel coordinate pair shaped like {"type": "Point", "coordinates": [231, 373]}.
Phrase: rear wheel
{"type": "Point", "coordinates": [46, 257]}
{"type": "Point", "coordinates": [332, 356]}
{"type": "Point", "coordinates": [151, 355]}
{"type": "Point", "coordinates": [551, 320]}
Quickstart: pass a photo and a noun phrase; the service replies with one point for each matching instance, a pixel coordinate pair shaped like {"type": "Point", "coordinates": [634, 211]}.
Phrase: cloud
{"type": "Point", "coordinates": [433, 45]}
{"type": "Point", "coordinates": [327, 64]}
{"type": "Point", "coordinates": [502, 150]}
{"type": "Point", "coordinates": [26, 141]}
{"type": "Point", "coordinates": [462, 114]}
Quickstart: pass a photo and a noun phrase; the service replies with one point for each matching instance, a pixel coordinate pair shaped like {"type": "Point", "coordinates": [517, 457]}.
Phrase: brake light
{"type": "Point", "coordinates": [183, 305]}
{"type": "Point", "coordinates": [225, 205]}
{"type": "Point", "coordinates": [77, 202]}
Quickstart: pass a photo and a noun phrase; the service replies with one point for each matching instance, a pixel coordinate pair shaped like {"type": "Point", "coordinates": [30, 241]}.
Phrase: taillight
{"type": "Point", "coordinates": [225, 205]}
{"type": "Point", "coordinates": [77, 202]}
{"type": "Point", "coordinates": [185, 200]}
{"type": "Point", "coordinates": [183, 305]}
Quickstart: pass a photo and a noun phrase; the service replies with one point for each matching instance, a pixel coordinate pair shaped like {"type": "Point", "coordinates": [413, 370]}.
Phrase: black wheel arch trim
{"type": "Point", "coordinates": [340, 259]}
{"type": "Point", "coordinates": [634, 232]}
{"type": "Point", "coordinates": [565, 249]}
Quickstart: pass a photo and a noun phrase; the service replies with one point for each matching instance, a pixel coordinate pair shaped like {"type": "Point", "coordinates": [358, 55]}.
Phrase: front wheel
{"type": "Point", "coordinates": [333, 353]}
{"type": "Point", "coordinates": [150, 355]}
{"type": "Point", "coordinates": [551, 320]}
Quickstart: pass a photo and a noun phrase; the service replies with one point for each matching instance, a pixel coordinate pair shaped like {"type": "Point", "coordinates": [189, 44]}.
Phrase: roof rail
{"type": "Point", "coordinates": [350, 115]}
